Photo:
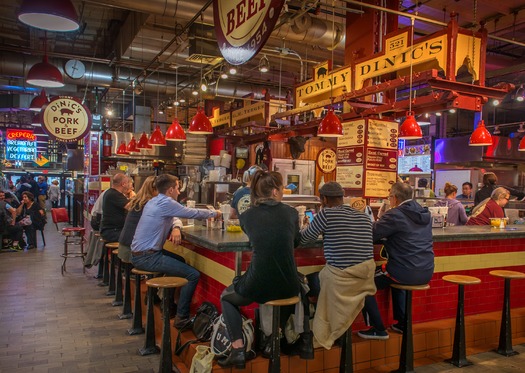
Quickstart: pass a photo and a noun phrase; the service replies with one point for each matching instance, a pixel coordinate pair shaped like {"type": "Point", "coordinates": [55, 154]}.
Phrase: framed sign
{"type": "Point", "coordinates": [326, 160]}
{"type": "Point", "coordinates": [66, 119]}
{"type": "Point", "coordinates": [20, 145]}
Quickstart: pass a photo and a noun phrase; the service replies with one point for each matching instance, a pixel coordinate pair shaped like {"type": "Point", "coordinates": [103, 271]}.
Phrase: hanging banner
{"type": "Point", "coordinates": [242, 27]}
{"type": "Point", "coordinates": [66, 119]}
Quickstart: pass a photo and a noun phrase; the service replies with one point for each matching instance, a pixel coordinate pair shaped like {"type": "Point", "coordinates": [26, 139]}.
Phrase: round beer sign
{"type": "Point", "coordinates": [243, 26]}
{"type": "Point", "coordinates": [66, 119]}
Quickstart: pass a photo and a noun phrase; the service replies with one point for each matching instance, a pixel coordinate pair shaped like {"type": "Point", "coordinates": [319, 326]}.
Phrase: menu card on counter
{"type": "Point", "coordinates": [367, 156]}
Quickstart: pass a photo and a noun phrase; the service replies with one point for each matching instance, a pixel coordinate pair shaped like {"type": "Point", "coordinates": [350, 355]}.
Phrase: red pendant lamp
{"type": "Point", "coordinates": [521, 148]}
{"type": "Point", "coordinates": [122, 149]}
{"type": "Point", "coordinates": [481, 136]}
{"type": "Point", "coordinates": [157, 138]}
{"type": "Point", "coordinates": [39, 101]}
{"type": "Point", "coordinates": [330, 126]}
{"type": "Point", "coordinates": [175, 132]}
{"type": "Point", "coordinates": [132, 146]}
{"type": "Point", "coordinates": [43, 74]}
{"type": "Point", "coordinates": [143, 142]}
{"type": "Point", "coordinates": [200, 124]}
{"type": "Point", "coordinates": [50, 15]}
{"type": "Point", "coordinates": [410, 129]}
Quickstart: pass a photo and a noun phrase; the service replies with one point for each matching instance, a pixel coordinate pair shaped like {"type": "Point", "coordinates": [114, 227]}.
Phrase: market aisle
{"type": "Point", "coordinates": [54, 323]}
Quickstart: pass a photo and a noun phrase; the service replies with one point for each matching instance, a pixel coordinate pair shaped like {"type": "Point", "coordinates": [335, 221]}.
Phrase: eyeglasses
{"type": "Point", "coordinates": [507, 198]}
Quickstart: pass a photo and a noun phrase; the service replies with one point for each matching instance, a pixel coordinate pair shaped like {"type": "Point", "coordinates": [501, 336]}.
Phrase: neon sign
{"type": "Point", "coordinates": [21, 145]}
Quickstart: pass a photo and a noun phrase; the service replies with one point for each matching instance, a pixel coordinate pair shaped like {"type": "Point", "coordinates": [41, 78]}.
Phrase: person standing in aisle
{"type": "Point", "coordinates": [406, 232]}
{"type": "Point", "coordinates": [114, 208]}
{"type": "Point", "coordinates": [154, 227]}
{"type": "Point", "coordinates": [54, 194]}
{"type": "Point", "coordinates": [42, 191]}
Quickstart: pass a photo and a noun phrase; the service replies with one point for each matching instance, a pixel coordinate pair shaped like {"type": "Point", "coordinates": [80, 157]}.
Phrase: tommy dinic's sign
{"type": "Point", "coordinates": [397, 56]}
{"type": "Point", "coordinates": [66, 119]}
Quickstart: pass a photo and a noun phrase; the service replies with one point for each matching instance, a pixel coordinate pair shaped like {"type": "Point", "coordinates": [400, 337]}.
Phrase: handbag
{"type": "Point", "coordinates": [25, 221]}
{"type": "Point", "coordinates": [201, 325]}
{"type": "Point", "coordinates": [202, 361]}
{"type": "Point", "coordinates": [221, 343]}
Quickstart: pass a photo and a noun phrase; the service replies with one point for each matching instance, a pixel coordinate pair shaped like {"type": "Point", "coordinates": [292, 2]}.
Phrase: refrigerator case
{"type": "Point", "coordinates": [298, 173]}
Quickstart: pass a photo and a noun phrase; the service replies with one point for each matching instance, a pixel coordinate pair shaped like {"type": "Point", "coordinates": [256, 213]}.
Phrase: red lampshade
{"type": "Point", "coordinates": [51, 15]}
{"type": "Point", "coordinates": [157, 138]}
{"type": "Point", "coordinates": [330, 126]}
{"type": "Point", "coordinates": [43, 74]}
{"type": "Point", "coordinates": [143, 142]}
{"type": "Point", "coordinates": [481, 136]}
{"type": "Point", "coordinates": [175, 132]}
{"type": "Point", "coordinates": [409, 129]}
{"type": "Point", "coordinates": [122, 149]}
{"type": "Point", "coordinates": [132, 146]}
{"type": "Point", "coordinates": [37, 120]}
{"type": "Point", "coordinates": [200, 124]}
{"type": "Point", "coordinates": [39, 101]}
{"type": "Point", "coordinates": [521, 148]}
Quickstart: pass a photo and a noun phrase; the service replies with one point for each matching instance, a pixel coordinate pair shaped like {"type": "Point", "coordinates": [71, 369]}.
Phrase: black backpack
{"type": "Point", "coordinates": [201, 325]}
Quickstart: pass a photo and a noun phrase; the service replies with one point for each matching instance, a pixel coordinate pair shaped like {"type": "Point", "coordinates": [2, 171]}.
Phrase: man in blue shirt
{"type": "Point", "coordinates": [154, 226]}
{"type": "Point", "coordinates": [42, 191]}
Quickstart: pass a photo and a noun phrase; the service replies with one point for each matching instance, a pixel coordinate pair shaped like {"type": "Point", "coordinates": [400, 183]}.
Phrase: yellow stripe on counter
{"type": "Point", "coordinates": [478, 261]}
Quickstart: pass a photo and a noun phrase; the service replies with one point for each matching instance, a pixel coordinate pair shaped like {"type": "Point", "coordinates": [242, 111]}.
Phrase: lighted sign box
{"type": "Point", "coordinates": [20, 145]}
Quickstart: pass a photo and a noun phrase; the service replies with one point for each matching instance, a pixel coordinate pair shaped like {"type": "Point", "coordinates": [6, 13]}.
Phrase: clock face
{"type": "Point", "coordinates": [75, 69]}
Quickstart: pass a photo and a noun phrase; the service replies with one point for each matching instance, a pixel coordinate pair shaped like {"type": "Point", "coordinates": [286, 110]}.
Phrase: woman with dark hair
{"type": "Point", "coordinates": [273, 230]}
{"type": "Point", "coordinates": [37, 215]}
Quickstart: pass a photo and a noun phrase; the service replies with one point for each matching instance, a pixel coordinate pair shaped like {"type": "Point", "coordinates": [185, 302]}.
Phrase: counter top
{"type": "Point", "coordinates": [223, 241]}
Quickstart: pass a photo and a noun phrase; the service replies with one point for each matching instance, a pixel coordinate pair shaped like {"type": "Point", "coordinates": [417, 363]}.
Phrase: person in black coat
{"type": "Point", "coordinates": [273, 230]}
{"type": "Point", "coordinates": [490, 182]}
{"type": "Point", "coordinates": [37, 214]}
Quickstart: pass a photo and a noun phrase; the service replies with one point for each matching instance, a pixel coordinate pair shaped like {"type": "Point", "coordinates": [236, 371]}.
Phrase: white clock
{"type": "Point", "coordinates": [75, 69]}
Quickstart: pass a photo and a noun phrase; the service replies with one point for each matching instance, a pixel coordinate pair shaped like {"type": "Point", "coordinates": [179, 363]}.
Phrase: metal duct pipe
{"type": "Point", "coordinates": [17, 65]}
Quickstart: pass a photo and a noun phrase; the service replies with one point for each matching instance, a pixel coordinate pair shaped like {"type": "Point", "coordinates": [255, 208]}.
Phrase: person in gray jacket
{"type": "Point", "coordinates": [406, 232]}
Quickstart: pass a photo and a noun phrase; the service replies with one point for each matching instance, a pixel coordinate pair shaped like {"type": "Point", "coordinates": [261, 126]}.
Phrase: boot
{"type": "Point", "coordinates": [237, 357]}
{"type": "Point", "coordinates": [304, 347]}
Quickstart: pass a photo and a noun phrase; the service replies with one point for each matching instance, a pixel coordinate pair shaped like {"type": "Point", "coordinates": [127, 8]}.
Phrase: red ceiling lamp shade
{"type": "Point", "coordinates": [410, 129]}
{"type": "Point", "coordinates": [330, 126]}
{"type": "Point", "coordinates": [37, 120]}
{"type": "Point", "coordinates": [200, 124]}
{"type": "Point", "coordinates": [50, 15]}
{"type": "Point", "coordinates": [132, 146]}
{"type": "Point", "coordinates": [481, 136]}
{"type": "Point", "coordinates": [157, 138]}
{"type": "Point", "coordinates": [39, 101]}
{"type": "Point", "coordinates": [175, 132]}
{"type": "Point", "coordinates": [143, 142]}
{"type": "Point", "coordinates": [43, 74]}
{"type": "Point", "coordinates": [122, 149]}
{"type": "Point", "coordinates": [521, 148]}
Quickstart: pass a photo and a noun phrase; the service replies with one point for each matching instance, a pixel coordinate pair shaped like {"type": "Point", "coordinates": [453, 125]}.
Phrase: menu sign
{"type": "Point", "coordinates": [378, 183]}
{"type": "Point", "coordinates": [350, 155]}
{"type": "Point", "coordinates": [382, 134]}
{"type": "Point", "coordinates": [354, 133]}
{"type": "Point", "coordinates": [350, 177]}
{"type": "Point", "coordinates": [381, 159]}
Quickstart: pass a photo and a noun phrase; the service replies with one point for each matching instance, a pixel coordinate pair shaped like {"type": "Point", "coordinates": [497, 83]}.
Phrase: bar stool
{"type": "Point", "coordinates": [110, 246]}
{"type": "Point", "coordinates": [346, 364]}
{"type": "Point", "coordinates": [459, 354]}
{"type": "Point", "coordinates": [505, 332]}
{"type": "Point", "coordinates": [104, 262]}
{"type": "Point", "coordinates": [406, 358]}
{"type": "Point", "coordinates": [275, 358]}
{"type": "Point", "coordinates": [73, 236]}
{"type": "Point", "coordinates": [136, 327]}
{"type": "Point", "coordinates": [118, 284]}
{"type": "Point", "coordinates": [126, 306]}
{"type": "Point", "coordinates": [167, 283]}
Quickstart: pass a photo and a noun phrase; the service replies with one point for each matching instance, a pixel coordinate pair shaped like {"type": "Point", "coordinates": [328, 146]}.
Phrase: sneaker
{"type": "Point", "coordinates": [16, 247]}
{"type": "Point", "coordinates": [373, 333]}
{"type": "Point", "coordinates": [397, 328]}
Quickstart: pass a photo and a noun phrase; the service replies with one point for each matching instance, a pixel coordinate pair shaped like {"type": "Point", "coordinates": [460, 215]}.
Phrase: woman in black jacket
{"type": "Point", "coordinates": [29, 208]}
{"type": "Point", "coordinates": [273, 230]}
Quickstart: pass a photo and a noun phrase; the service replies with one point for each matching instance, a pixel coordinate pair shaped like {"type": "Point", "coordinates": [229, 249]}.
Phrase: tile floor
{"type": "Point", "coordinates": [53, 323]}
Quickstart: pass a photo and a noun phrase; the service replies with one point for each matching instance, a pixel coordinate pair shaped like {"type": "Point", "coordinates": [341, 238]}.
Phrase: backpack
{"type": "Point", "coordinates": [221, 341]}
{"type": "Point", "coordinates": [201, 325]}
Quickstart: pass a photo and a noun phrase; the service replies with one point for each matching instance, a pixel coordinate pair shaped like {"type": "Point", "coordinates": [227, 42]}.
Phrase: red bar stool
{"type": "Point", "coordinates": [73, 236]}
{"type": "Point", "coordinates": [459, 351]}
{"type": "Point", "coordinates": [505, 331]}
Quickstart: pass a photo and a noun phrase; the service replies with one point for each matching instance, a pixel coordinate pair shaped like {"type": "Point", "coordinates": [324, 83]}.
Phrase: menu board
{"type": "Point", "coordinates": [378, 183]}
{"type": "Point", "coordinates": [350, 176]}
{"type": "Point", "coordinates": [382, 134]}
{"type": "Point", "coordinates": [354, 133]}
{"type": "Point", "coordinates": [350, 155]}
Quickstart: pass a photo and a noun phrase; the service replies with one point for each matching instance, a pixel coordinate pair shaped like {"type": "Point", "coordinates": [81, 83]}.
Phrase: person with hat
{"type": "Point", "coordinates": [348, 276]}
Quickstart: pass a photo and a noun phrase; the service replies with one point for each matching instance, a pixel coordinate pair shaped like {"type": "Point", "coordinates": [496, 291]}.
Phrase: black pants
{"type": "Point", "coordinates": [230, 303]}
{"type": "Point", "coordinates": [30, 232]}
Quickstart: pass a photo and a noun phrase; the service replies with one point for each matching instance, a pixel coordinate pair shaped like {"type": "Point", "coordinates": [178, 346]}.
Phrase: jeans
{"type": "Point", "coordinates": [157, 262]}
{"type": "Point", "coordinates": [230, 303]}
{"type": "Point", "coordinates": [371, 310]}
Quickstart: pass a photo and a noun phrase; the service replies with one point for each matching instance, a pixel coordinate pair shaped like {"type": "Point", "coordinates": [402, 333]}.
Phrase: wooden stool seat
{"type": "Point", "coordinates": [283, 302]}
{"type": "Point", "coordinates": [112, 245]}
{"type": "Point", "coordinates": [96, 234]}
{"type": "Point", "coordinates": [462, 279]}
{"type": "Point", "coordinates": [505, 332]}
{"type": "Point", "coordinates": [459, 349]}
{"type": "Point", "coordinates": [507, 274]}
{"type": "Point", "coordinates": [168, 283]}
{"type": "Point", "coordinates": [115, 252]}
{"type": "Point", "coordinates": [137, 271]}
{"type": "Point", "coordinates": [410, 287]}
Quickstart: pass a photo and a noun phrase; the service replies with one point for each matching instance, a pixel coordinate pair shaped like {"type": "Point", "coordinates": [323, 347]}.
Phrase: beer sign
{"type": "Point", "coordinates": [66, 119]}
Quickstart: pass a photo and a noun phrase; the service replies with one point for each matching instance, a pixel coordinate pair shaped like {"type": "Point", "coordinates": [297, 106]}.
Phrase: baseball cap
{"type": "Point", "coordinates": [332, 189]}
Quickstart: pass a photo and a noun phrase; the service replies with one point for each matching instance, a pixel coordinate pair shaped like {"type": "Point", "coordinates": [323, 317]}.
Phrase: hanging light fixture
{"type": "Point", "coordinates": [224, 74]}
{"type": "Point", "coordinates": [50, 15]}
{"type": "Point", "coordinates": [520, 94]}
{"type": "Point", "coordinates": [132, 146]}
{"type": "Point", "coordinates": [232, 70]}
{"type": "Point", "coordinates": [409, 129]}
{"type": "Point", "coordinates": [204, 84]}
{"type": "Point", "coordinates": [264, 64]}
{"type": "Point", "coordinates": [36, 121]}
{"type": "Point", "coordinates": [194, 90]}
{"type": "Point", "coordinates": [143, 142]}
{"type": "Point", "coordinates": [200, 124]}
{"type": "Point", "coordinates": [331, 125]}
{"type": "Point", "coordinates": [496, 130]}
{"type": "Point", "coordinates": [157, 138]}
{"type": "Point", "coordinates": [44, 74]}
{"type": "Point", "coordinates": [481, 136]}
{"type": "Point", "coordinates": [175, 132]}
{"type": "Point", "coordinates": [521, 147]}
{"type": "Point", "coordinates": [39, 101]}
{"type": "Point", "coordinates": [122, 149]}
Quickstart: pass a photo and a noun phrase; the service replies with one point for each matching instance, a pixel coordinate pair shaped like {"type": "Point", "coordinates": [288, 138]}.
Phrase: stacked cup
{"type": "Point", "coordinates": [190, 203]}
{"type": "Point", "coordinates": [226, 211]}
{"type": "Point", "coordinates": [301, 211]}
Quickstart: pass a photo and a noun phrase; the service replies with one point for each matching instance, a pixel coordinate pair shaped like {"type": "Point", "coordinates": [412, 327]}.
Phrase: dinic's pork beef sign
{"type": "Point", "coordinates": [66, 119]}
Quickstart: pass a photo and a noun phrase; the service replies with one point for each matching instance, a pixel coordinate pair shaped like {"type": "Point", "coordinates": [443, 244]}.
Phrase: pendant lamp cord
{"type": "Point", "coordinates": [411, 64]}
{"type": "Point", "coordinates": [332, 69]}
{"type": "Point", "coordinates": [176, 104]}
